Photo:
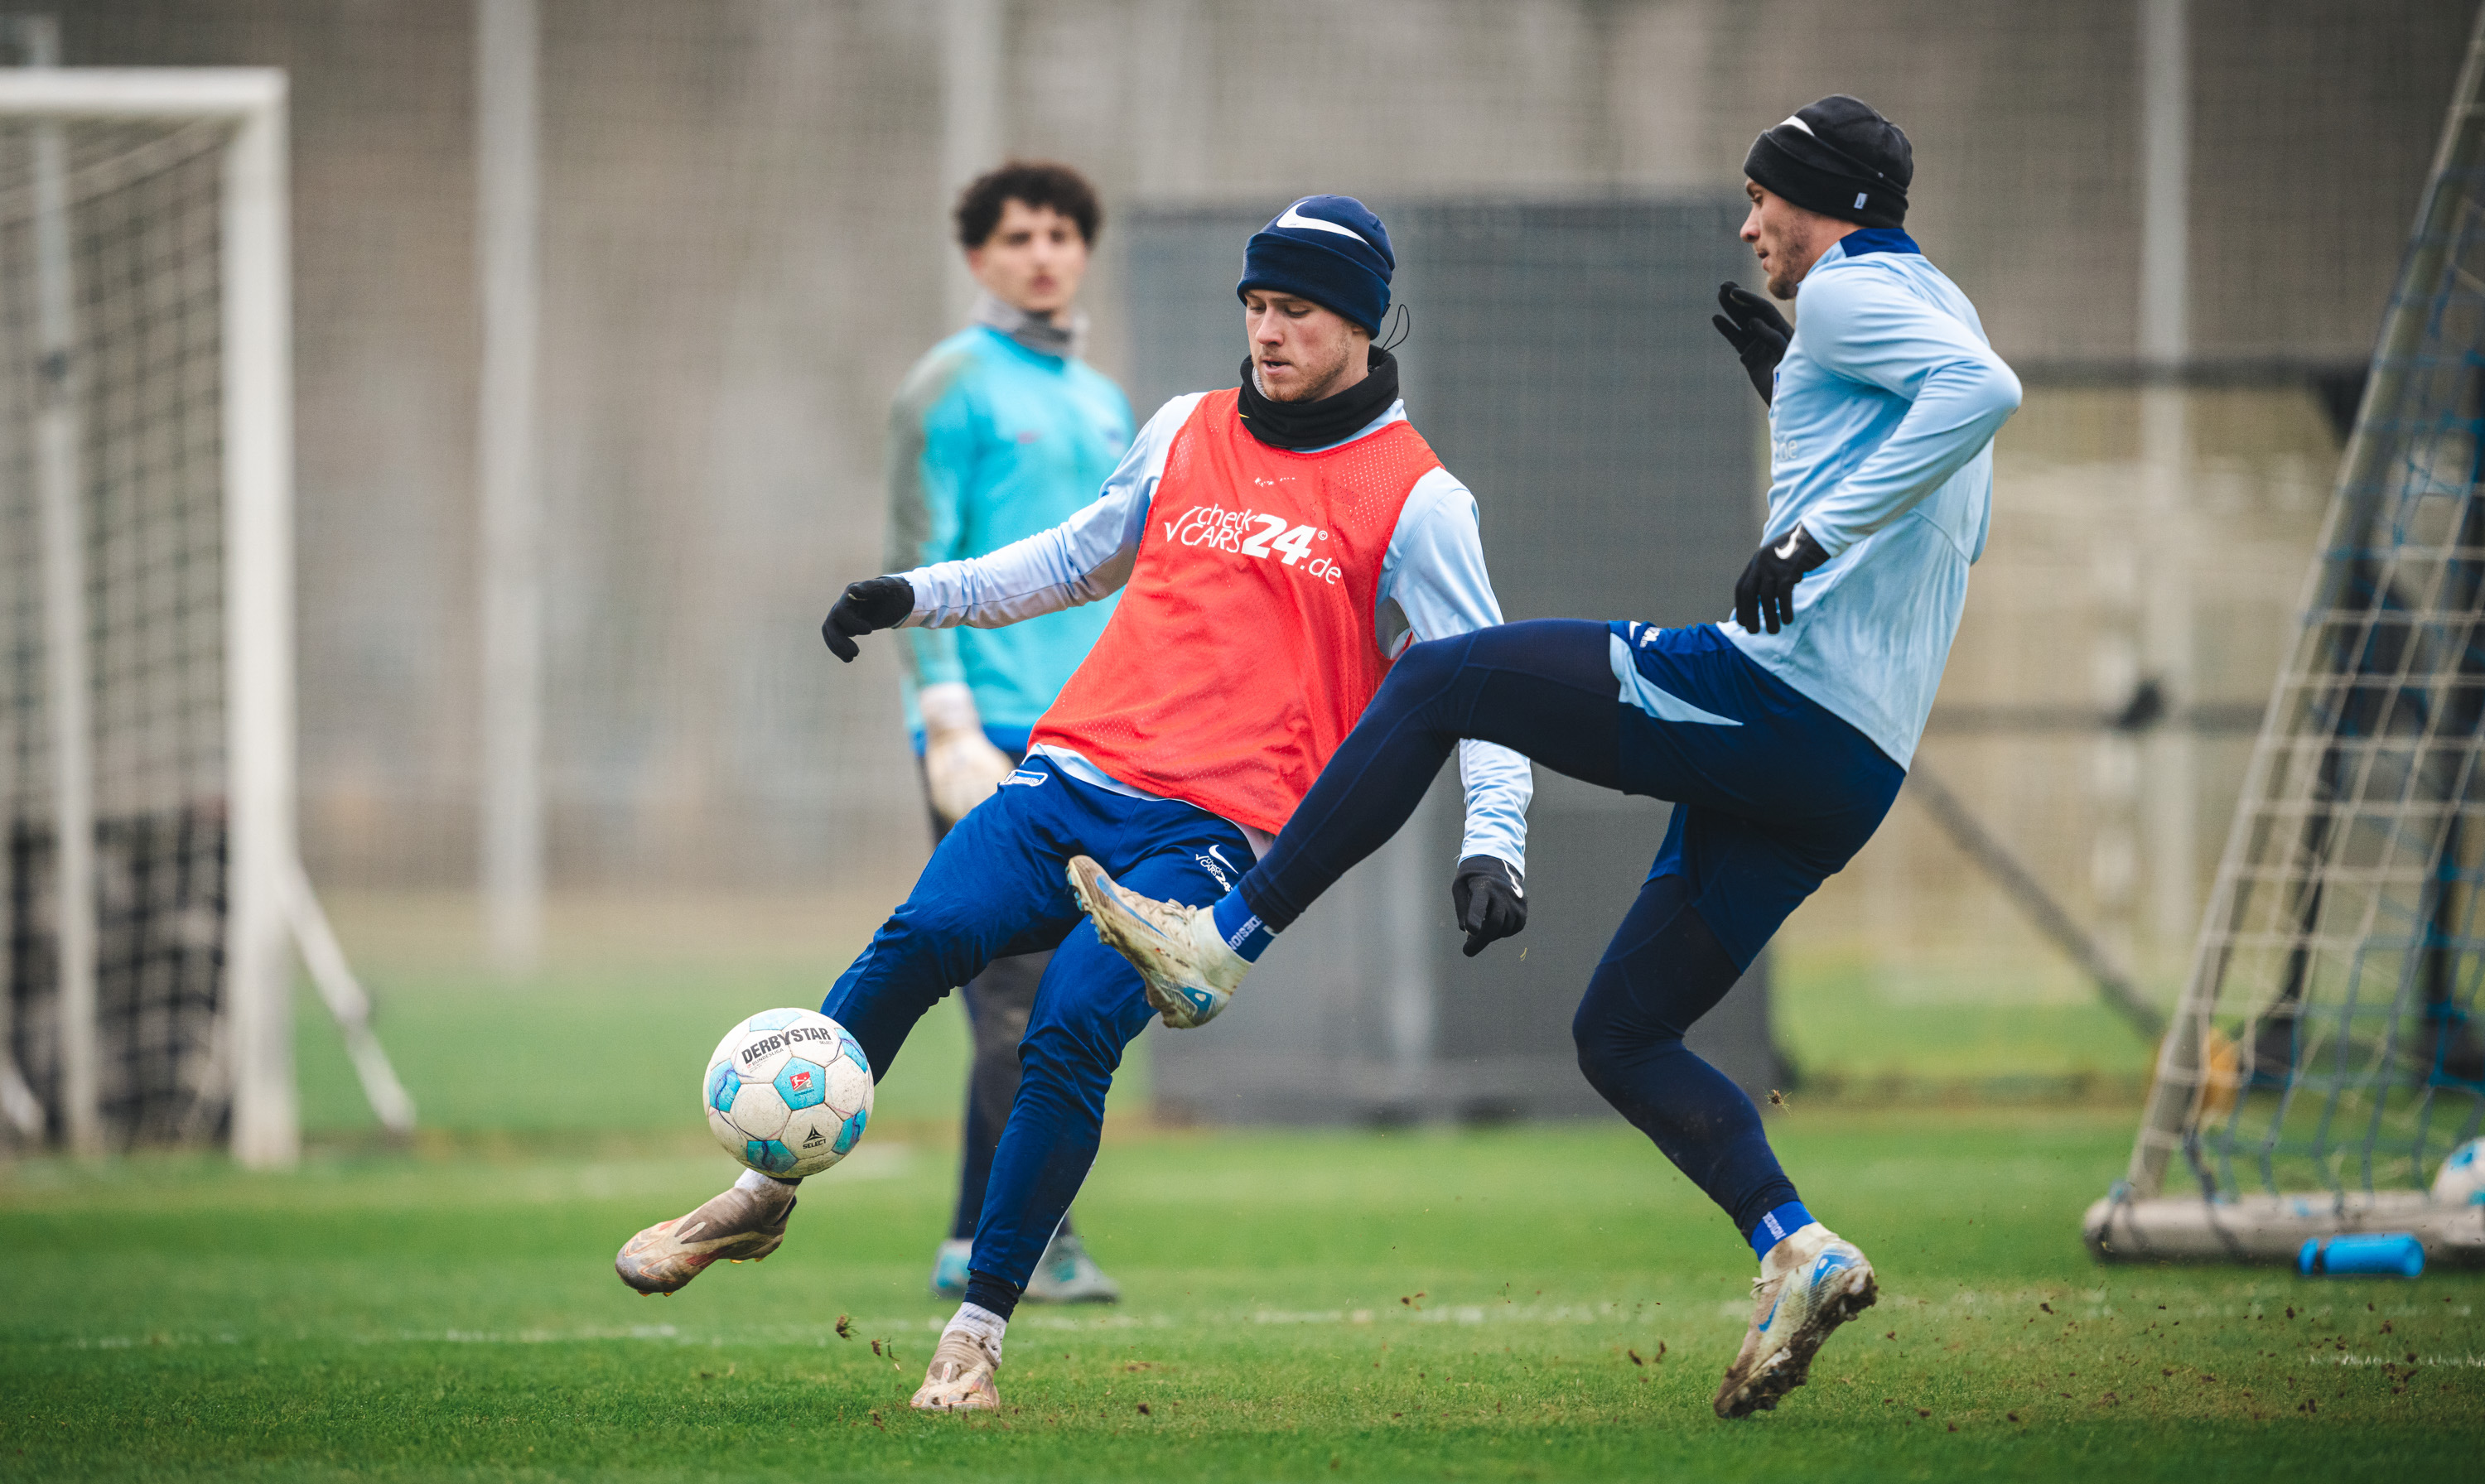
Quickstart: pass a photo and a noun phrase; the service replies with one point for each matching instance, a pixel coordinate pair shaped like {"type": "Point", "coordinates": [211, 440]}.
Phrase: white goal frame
{"type": "Point", "coordinates": [269, 906]}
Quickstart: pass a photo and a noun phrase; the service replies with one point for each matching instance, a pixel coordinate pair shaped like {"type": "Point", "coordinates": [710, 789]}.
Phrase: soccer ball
{"type": "Point", "coordinates": [787, 1093]}
{"type": "Point", "coordinates": [2461, 1180]}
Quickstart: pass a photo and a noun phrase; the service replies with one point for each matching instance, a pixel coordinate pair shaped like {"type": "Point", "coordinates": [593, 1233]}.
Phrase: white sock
{"type": "Point", "coordinates": [1782, 1257]}
{"type": "Point", "coordinates": [753, 1179]}
{"type": "Point", "coordinates": [982, 1323]}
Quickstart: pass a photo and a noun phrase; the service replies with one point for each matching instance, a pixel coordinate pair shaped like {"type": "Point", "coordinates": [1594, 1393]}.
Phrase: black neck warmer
{"type": "Point", "coordinates": [1332, 420]}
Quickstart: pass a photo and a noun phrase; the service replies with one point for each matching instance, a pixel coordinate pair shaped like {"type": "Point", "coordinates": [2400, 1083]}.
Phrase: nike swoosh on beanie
{"type": "Point", "coordinates": [1294, 217]}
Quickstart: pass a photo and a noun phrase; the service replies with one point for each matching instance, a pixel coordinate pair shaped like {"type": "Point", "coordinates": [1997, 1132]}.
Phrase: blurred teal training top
{"type": "Point", "coordinates": [990, 442]}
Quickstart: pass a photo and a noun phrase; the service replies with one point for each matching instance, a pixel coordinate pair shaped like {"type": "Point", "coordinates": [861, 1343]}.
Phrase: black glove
{"type": "Point", "coordinates": [874, 603]}
{"type": "Point", "coordinates": [1490, 899]}
{"type": "Point", "coordinates": [1756, 331]}
{"type": "Point", "coordinates": [1765, 591]}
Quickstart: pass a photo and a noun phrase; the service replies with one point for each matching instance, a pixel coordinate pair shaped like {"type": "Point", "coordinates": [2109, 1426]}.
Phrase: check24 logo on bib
{"type": "Point", "coordinates": [1246, 533]}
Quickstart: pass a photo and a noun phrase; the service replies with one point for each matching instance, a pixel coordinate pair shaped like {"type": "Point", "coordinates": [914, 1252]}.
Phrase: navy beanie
{"type": "Point", "coordinates": [1840, 158]}
{"type": "Point", "coordinates": [1328, 249]}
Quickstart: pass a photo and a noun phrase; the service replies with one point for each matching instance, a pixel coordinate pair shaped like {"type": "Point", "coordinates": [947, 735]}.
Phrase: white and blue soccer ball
{"type": "Point", "coordinates": [2461, 1179]}
{"type": "Point", "coordinates": [787, 1093]}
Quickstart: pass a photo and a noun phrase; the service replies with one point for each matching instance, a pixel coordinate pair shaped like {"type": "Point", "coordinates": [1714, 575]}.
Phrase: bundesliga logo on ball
{"type": "Point", "coordinates": [787, 1093]}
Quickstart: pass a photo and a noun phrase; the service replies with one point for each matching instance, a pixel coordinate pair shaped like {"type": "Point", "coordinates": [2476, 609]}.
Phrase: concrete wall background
{"type": "Point", "coordinates": [745, 247]}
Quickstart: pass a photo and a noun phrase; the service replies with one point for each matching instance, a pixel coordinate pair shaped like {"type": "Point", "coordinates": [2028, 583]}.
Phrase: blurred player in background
{"type": "Point", "coordinates": [1781, 735]}
{"type": "Point", "coordinates": [1277, 545]}
{"type": "Point", "coordinates": [1001, 431]}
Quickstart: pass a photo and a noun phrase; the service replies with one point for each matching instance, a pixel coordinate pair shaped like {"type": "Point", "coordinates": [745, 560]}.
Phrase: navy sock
{"type": "Point", "coordinates": [1239, 926]}
{"type": "Point", "coordinates": [997, 1294]}
{"type": "Point", "coordinates": [1777, 1225]}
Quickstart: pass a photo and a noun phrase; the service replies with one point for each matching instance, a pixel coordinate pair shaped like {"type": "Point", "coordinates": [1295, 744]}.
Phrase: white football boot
{"type": "Point", "coordinates": [1810, 1284]}
{"type": "Point", "coordinates": [960, 1377]}
{"type": "Point", "coordinates": [1187, 970]}
{"type": "Point", "coordinates": [739, 1225]}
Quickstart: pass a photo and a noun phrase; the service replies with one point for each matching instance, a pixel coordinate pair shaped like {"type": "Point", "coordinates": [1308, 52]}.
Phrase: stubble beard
{"type": "Point", "coordinates": [1782, 284]}
{"type": "Point", "coordinates": [1316, 385]}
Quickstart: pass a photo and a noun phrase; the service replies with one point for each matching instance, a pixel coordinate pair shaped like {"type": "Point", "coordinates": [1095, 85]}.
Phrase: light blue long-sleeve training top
{"type": "Point", "coordinates": [990, 440]}
{"type": "Point", "coordinates": [1432, 585]}
{"type": "Point", "coordinates": [1881, 447]}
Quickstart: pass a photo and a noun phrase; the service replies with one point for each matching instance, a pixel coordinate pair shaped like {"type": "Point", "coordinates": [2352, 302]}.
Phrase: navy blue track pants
{"type": "Point", "coordinates": [1772, 795]}
{"type": "Point", "coordinates": [997, 886]}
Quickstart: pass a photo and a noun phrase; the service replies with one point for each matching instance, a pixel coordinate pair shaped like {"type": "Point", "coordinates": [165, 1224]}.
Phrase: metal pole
{"type": "Point", "coordinates": [1408, 879]}
{"type": "Point", "coordinates": [67, 699]}
{"type": "Point", "coordinates": [2169, 776]}
{"type": "Point", "coordinates": [325, 958]}
{"type": "Point", "coordinates": [258, 637]}
{"type": "Point", "coordinates": [2165, 339]}
{"type": "Point", "coordinates": [2166, 178]}
{"type": "Point", "coordinates": [2003, 869]}
{"type": "Point", "coordinates": [971, 87]}
{"type": "Point", "coordinates": [507, 217]}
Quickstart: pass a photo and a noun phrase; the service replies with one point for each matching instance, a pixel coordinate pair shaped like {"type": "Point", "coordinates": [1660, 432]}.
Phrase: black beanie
{"type": "Point", "coordinates": [1839, 157]}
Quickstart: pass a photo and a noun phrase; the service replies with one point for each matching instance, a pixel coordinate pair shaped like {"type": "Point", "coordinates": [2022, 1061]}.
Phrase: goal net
{"type": "Point", "coordinates": [150, 885]}
{"type": "Point", "coordinates": [2325, 1055]}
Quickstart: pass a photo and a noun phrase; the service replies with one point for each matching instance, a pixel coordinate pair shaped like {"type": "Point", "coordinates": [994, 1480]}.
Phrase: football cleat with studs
{"type": "Point", "coordinates": [739, 1225]}
{"type": "Point", "coordinates": [1187, 971]}
{"type": "Point", "coordinates": [960, 1377]}
{"type": "Point", "coordinates": [949, 1268]}
{"type": "Point", "coordinates": [1067, 1274]}
{"type": "Point", "coordinates": [1811, 1283]}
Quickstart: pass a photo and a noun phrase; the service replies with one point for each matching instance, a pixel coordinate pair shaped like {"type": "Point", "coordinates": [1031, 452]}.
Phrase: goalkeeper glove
{"type": "Point", "coordinates": [960, 764]}
{"type": "Point", "coordinates": [874, 603]}
{"type": "Point", "coordinates": [1765, 591]}
{"type": "Point", "coordinates": [1490, 899]}
{"type": "Point", "coordinates": [1756, 331]}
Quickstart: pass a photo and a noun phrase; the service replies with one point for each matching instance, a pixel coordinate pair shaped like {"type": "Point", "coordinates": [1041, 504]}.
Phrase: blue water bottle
{"type": "Point", "coordinates": [2390, 1253]}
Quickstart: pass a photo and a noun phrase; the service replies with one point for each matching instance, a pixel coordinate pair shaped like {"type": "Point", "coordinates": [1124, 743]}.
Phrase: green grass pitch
{"type": "Point", "coordinates": [1520, 1303]}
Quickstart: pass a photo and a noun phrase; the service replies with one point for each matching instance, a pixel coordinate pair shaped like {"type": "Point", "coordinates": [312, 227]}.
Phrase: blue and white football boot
{"type": "Point", "coordinates": [949, 1269]}
{"type": "Point", "coordinates": [1810, 1284]}
{"type": "Point", "coordinates": [1067, 1274]}
{"type": "Point", "coordinates": [1186, 968]}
